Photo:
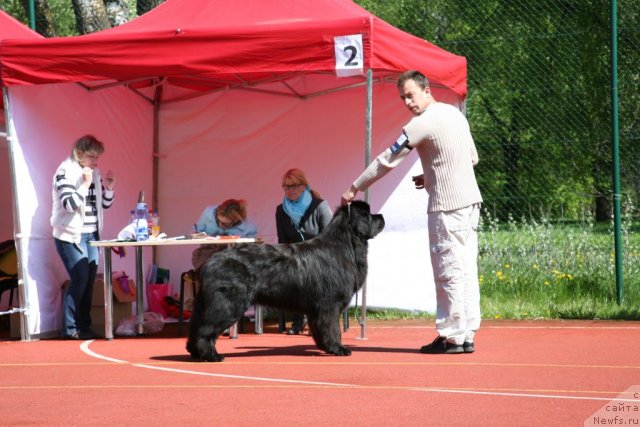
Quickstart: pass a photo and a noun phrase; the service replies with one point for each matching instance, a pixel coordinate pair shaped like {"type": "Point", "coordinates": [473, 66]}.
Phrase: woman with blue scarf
{"type": "Point", "coordinates": [302, 215]}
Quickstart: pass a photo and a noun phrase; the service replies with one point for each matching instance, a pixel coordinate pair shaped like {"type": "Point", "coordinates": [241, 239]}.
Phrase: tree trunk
{"type": "Point", "coordinates": [91, 16]}
{"type": "Point", "coordinates": [117, 11]}
{"type": "Point", "coordinates": [144, 6]}
{"type": "Point", "coordinates": [603, 208]}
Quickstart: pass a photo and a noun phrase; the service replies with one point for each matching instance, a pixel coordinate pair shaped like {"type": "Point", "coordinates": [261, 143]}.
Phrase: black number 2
{"type": "Point", "coordinates": [353, 51]}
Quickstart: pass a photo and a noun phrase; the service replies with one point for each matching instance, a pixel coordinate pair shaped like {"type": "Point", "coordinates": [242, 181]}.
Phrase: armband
{"type": "Point", "coordinates": [400, 143]}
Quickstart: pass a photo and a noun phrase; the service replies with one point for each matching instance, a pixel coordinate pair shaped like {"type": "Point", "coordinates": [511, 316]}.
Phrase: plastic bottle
{"type": "Point", "coordinates": [142, 226]}
{"type": "Point", "coordinates": [150, 221]}
{"type": "Point", "coordinates": [155, 223]}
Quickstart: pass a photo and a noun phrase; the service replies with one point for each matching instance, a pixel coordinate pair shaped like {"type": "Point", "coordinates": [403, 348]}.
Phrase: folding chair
{"type": "Point", "coordinates": [8, 269]}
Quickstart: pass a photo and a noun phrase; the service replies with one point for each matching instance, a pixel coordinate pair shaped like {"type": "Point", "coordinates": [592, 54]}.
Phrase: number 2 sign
{"type": "Point", "coordinates": [349, 57]}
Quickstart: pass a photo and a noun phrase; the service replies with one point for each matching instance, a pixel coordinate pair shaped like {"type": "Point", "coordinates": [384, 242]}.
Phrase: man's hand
{"type": "Point", "coordinates": [349, 195]}
{"type": "Point", "coordinates": [418, 180]}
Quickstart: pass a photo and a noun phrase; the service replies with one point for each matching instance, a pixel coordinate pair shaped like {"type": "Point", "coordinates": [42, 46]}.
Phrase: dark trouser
{"type": "Point", "coordinates": [297, 321]}
{"type": "Point", "coordinates": [81, 263]}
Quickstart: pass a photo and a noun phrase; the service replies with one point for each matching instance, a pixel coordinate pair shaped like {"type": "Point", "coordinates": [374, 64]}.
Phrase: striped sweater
{"type": "Point", "coordinates": [70, 199]}
{"type": "Point", "coordinates": [442, 138]}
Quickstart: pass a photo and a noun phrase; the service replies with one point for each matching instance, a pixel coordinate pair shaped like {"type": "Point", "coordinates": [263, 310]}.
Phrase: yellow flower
{"type": "Point", "coordinates": [507, 266]}
{"type": "Point", "coordinates": [497, 317]}
{"type": "Point", "coordinates": [535, 266]}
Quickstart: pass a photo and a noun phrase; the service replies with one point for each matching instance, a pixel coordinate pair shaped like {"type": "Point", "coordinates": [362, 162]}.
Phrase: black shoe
{"type": "Point", "coordinates": [441, 346]}
{"type": "Point", "coordinates": [88, 335]}
{"type": "Point", "coordinates": [468, 347]}
{"type": "Point", "coordinates": [298, 327]}
{"type": "Point", "coordinates": [73, 336]}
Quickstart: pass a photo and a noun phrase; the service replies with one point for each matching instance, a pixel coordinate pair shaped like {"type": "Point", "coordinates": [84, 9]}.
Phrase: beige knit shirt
{"type": "Point", "coordinates": [442, 138]}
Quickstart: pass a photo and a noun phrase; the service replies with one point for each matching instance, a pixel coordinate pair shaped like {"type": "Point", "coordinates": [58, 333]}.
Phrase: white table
{"type": "Point", "coordinates": [178, 241]}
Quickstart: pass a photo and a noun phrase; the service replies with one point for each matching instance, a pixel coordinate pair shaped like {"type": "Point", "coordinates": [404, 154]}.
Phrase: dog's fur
{"type": "Point", "coordinates": [316, 277]}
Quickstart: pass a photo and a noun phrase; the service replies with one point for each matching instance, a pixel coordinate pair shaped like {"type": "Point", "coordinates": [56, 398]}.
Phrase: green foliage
{"type": "Point", "coordinates": [539, 96]}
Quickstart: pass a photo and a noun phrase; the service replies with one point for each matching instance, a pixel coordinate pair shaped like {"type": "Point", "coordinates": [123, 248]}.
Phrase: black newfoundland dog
{"type": "Point", "coordinates": [316, 277]}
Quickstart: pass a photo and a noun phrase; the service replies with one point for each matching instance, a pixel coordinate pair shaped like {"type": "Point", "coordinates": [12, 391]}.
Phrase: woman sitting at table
{"type": "Point", "coordinates": [229, 218]}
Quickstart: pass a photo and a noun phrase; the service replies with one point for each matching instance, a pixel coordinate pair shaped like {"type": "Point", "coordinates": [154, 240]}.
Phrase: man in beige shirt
{"type": "Point", "coordinates": [440, 134]}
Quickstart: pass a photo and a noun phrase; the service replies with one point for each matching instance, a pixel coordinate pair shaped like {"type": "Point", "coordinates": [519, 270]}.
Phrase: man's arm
{"type": "Point", "coordinates": [385, 162]}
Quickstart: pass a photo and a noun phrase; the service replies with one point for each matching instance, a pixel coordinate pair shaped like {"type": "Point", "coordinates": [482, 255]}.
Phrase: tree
{"type": "Point", "coordinates": [117, 11]}
{"type": "Point", "coordinates": [54, 18]}
{"type": "Point", "coordinates": [91, 16]}
{"type": "Point", "coordinates": [144, 6]}
{"type": "Point", "coordinates": [43, 17]}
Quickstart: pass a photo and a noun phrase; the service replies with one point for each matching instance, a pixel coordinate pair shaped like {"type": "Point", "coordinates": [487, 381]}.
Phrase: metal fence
{"type": "Point", "coordinates": [539, 105]}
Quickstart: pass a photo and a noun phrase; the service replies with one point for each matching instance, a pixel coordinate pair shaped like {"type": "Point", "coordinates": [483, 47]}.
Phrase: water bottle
{"type": "Point", "coordinates": [142, 226]}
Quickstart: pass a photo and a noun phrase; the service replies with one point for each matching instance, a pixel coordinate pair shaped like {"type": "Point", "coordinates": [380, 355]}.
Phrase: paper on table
{"type": "Point", "coordinates": [128, 233]}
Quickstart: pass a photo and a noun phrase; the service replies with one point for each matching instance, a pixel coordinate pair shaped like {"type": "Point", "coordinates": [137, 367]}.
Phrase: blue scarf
{"type": "Point", "coordinates": [295, 209]}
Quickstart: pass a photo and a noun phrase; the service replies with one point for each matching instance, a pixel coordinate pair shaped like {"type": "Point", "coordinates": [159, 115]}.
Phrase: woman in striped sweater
{"type": "Point", "coordinates": [77, 218]}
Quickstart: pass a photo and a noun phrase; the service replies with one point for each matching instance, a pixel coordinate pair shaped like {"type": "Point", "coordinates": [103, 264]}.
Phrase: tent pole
{"type": "Point", "coordinates": [32, 15]}
{"type": "Point", "coordinates": [367, 160]}
{"type": "Point", "coordinates": [23, 292]}
{"type": "Point", "coordinates": [157, 100]}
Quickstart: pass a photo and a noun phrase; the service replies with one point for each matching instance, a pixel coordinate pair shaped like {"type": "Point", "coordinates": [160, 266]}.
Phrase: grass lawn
{"type": "Point", "coordinates": [545, 271]}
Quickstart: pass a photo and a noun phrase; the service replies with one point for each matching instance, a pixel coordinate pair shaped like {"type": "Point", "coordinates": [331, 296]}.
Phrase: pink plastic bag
{"type": "Point", "coordinates": [155, 295]}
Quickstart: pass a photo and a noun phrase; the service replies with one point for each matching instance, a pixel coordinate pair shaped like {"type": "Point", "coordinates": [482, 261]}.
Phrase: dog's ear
{"type": "Point", "coordinates": [361, 205]}
{"type": "Point", "coordinates": [361, 221]}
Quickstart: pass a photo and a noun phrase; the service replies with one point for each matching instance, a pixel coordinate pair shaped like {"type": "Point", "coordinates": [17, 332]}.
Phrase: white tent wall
{"type": "Point", "coordinates": [47, 120]}
{"type": "Point", "coordinates": [6, 217]}
{"type": "Point", "coordinates": [238, 144]}
{"type": "Point", "coordinates": [6, 198]}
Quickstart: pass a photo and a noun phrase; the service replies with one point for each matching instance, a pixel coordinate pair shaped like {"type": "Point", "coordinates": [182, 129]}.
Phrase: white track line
{"type": "Point", "coordinates": [85, 348]}
{"type": "Point", "coordinates": [590, 327]}
{"type": "Point", "coordinates": [538, 396]}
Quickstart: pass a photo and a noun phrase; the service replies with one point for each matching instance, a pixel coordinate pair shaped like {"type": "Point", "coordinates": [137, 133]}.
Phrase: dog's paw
{"type": "Point", "coordinates": [212, 358]}
{"type": "Point", "coordinates": [341, 351]}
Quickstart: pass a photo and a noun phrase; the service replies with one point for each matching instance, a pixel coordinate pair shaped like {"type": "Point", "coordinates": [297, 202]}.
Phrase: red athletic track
{"type": "Point", "coordinates": [522, 374]}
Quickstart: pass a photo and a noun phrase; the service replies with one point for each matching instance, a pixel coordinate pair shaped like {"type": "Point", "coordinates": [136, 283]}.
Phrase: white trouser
{"type": "Point", "coordinates": [453, 238]}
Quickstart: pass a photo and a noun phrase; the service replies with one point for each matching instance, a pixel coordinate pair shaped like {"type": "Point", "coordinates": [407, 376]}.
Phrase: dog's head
{"type": "Point", "coordinates": [362, 221]}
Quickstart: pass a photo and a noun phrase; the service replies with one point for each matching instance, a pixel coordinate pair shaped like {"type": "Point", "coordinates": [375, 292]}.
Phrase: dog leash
{"type": "Point", "coordinates": [355, 308]}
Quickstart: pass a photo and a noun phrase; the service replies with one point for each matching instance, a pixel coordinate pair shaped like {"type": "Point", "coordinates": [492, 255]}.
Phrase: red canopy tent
{"type": "Point", "coordinates": [203, 100]}
{"type": "Point", "coordinates": [11, 28]}
{"type": "Point", "coordinates": [213, 44]}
